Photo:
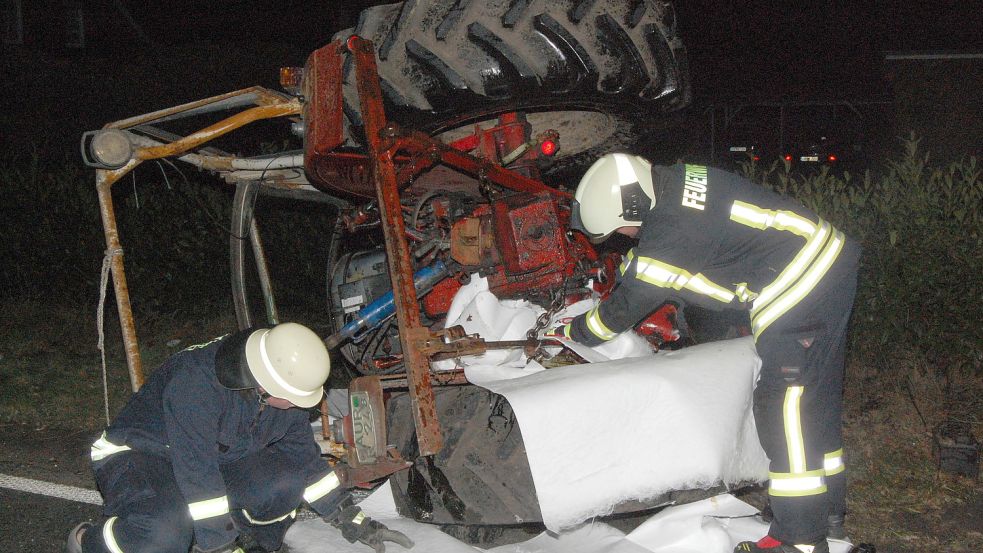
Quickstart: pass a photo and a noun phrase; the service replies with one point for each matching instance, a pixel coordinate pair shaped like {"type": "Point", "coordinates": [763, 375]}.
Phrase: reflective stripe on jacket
{"type": "Point", "coordinates": [183, 414]}
{"type": "Point", "coordinates": [716, 240]}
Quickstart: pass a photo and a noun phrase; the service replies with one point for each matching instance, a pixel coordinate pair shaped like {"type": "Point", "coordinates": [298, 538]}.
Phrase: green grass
{"type": "Point", "coordinates": [51, 371]}
{"type": "Point", "coordinates": [49, 375]}
{"type": "Point", "coordinates": [898, 499]}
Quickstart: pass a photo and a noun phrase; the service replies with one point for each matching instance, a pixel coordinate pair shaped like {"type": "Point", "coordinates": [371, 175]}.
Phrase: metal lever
{"type": "Point", "coordinates": [454, 342]}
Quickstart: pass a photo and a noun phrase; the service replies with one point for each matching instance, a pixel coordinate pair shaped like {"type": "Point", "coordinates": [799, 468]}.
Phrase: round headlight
{"type": "Point", "coordinates": [111, 147]}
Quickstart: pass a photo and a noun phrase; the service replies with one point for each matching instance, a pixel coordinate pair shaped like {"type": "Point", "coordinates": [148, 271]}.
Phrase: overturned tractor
{"type": "Point", "coordinates": [433, 124]}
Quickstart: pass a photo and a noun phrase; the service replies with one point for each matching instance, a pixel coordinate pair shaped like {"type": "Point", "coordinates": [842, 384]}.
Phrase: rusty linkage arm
{"type": "Point", "coordinates": [381, 154]}
{"type": "Point", "coordinates": [424, 152]}
{"type": "Point", "coordinates": [220, 128]}
{"type": "Point", "coordinates": [485, 170]}
{"type": "Point", "coordinates": [454, 342]}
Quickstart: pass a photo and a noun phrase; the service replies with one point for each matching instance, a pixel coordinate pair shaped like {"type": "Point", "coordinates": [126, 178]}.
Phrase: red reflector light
{"type": "Point", "coordinates": [832, 157]}
{"type": "Point", "coordinates": [788, 157]}
{"type": "Point", "coordinates": [757, 158]}
{"type": "Point", "coordinates": [548, 147]}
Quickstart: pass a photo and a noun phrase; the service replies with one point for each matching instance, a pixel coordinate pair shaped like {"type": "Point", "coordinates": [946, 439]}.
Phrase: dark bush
{"type": "Point", "coordinates": [921, 280]}
{"type": "Point", "coordinates": [921, 227]}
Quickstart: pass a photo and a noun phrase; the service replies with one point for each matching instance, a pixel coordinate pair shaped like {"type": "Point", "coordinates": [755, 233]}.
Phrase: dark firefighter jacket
{"type": "Point", "coordinates": [716, 240]}
{"type": "Point", "coordinates": [182, 413]}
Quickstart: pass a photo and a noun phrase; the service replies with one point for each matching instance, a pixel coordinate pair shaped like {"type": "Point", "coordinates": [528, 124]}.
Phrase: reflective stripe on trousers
{"type": "Point", "coordinates": [103, 448]}
{"type": "Point", "coordinates": [822, 247]}
{"type": "Point", "coordinates": [108, 537]}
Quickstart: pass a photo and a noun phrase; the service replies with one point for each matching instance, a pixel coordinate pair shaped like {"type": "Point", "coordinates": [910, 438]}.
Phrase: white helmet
{"type": "Point", "coordinates": [615, 192]}
{"type": "Point", "coordinates": [288, 361]}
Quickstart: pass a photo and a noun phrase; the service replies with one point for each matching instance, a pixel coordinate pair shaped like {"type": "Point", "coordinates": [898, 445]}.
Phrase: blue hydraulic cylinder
{"type": "Point", "coordinates": [383, 307]}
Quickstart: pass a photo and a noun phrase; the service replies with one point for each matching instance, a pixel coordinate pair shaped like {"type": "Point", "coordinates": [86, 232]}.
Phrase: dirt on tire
{"type": "Point", "coordinates": [602, 72]}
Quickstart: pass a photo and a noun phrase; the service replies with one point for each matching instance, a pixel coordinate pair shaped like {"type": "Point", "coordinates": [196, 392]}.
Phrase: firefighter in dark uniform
{"type": "Point", "coordinates": [215, 453]}
{"type": "Point", "coordinates": [714, 239]}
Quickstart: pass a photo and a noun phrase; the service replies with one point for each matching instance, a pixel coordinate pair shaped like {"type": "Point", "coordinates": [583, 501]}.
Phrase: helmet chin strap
{"type": "Point", "coordinates": [659, 183]}
{"type": "Point", "coordinates": [251, 395]}
{"type": "Point", "coordinates": [265, 398]}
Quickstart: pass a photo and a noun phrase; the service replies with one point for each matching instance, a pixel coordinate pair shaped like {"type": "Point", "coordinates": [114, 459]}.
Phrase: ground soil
{"type": "Point", "coordinates": [52, 455]}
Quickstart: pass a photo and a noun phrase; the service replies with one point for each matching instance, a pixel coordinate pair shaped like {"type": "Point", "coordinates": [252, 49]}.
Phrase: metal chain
{"type": "Point", "coordinates": [556, 304]}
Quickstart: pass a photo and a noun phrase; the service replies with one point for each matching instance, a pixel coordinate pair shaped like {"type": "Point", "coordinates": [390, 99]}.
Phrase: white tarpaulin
{"type": "Point", "coordinates": [600, 434]}
{"type": "Point", "coordinates": [630, 428]}
{"type": "Point", "coordinates": [714, 525]}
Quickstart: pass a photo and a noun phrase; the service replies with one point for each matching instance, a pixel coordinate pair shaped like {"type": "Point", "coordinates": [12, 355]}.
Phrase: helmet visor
{"type": "Point", "coordinates": [577, 224]}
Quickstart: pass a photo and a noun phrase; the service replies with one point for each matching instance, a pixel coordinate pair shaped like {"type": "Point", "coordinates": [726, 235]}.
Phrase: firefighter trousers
{"type": "Point", "coordinates": [798, 405]}
{"type": "Point", "coordinates": [145, 511]}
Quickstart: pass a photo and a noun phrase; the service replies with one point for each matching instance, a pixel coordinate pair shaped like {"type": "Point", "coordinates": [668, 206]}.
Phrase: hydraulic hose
{"type": "Point", "coordinates": [383, 307]}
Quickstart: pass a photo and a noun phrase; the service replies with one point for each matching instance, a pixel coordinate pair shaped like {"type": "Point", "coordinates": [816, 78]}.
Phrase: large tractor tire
{"type": "Point", "coordinates": [601, 72]}
{"type": "Point", "coordinates": [479, 487]}
{"type": "Point", "coordinates": [481, 475]}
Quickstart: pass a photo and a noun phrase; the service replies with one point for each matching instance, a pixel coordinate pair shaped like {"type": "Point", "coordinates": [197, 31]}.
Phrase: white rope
{"type": "Point", "coordinates": [103, 282]}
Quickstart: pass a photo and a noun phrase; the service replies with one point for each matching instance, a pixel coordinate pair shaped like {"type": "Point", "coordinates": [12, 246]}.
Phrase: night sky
{"type": "Point", "coordinates": [776, 48]}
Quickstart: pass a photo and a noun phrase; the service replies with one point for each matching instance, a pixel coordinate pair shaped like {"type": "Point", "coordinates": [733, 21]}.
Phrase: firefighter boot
{"type": "Point", "coordinates": [74, 542]}
{"type": "Point", "coordinates": [834, 525]}
{"type": "Point", "coordinates": [835, 529]}
{"type": "Point", "coordinates": [769, 544]}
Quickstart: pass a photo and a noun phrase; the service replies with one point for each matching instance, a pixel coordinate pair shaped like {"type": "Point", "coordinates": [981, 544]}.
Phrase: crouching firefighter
{"type": "Point", "coordinates": [215, 453]}
{"type": "Point", "coordinates": [711, 238]}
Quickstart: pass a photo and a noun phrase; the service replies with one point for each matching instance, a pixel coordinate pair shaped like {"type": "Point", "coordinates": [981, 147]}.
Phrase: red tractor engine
{"type": "Point", "coordinates": [522, 245]}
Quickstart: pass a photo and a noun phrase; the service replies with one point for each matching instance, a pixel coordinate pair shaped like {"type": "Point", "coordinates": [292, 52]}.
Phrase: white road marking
{"type": "Point", "coordinates": [71, 493]}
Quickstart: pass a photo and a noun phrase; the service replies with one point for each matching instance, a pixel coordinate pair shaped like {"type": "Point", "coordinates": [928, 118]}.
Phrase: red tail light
{"type": "Point", "coordinates": [548, 147]}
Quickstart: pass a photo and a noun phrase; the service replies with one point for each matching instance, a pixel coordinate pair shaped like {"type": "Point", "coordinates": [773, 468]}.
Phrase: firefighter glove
{"type": "Point", "coordinates": [355, 526]}
{"type": "Point", "coordinates": [557, 332]}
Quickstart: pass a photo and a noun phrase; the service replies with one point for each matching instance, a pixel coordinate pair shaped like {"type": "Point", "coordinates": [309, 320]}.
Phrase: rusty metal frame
{"type": "Point", "coordinates": [388, 146]}
{"type": "Point", "coordinates": [385, 140]}
{"type": "Point", "coordinates": [382, 148]}
{"type": "Point", "coordinates": [485, 170]}
{"type": "Point", "coordinates": [268, 104]}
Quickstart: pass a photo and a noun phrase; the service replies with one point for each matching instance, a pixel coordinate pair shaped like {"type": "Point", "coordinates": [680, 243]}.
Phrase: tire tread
{"type": "Point", "coordinates": [444, 63]}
